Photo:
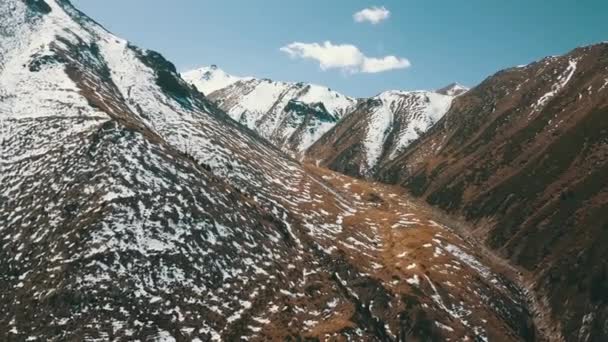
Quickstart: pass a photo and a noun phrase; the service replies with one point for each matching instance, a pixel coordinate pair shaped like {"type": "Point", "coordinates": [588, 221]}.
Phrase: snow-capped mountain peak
{"type": "Point", "coordinates": [413, 112]}
{"type": "Point", "coordinates": [211, 78]}
{"type": "Point", "coordinates": [287, 114]}
{"type": "Point", "coordinates": [453, 89]}
{"type": "Point", "coordinates": [378, 129]}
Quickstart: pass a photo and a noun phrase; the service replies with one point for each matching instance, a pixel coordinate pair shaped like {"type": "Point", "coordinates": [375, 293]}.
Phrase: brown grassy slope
{"type": "Point", "coordinates": [532, 175]}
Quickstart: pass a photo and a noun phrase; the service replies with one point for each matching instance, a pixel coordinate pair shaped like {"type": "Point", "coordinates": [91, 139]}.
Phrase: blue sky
{"type": "Point", "coordinates": [445, 41]}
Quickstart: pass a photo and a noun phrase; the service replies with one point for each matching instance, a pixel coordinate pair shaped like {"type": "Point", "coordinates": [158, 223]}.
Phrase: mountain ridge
{"type": "Point", "coordinates": [211, 78]}
{"type": "Point", "coordinates": [266, 107]}
{"type": "Point", "coordinates": [377, 130]}
{"type": "Point", "coordinates": [281, 126]}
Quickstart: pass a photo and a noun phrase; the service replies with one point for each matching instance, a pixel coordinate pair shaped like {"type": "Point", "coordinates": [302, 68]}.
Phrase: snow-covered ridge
{"type": "Point", "coordinates": [25, 47]}
{"type": "Point", "coordinates": [405, 115]}
{"type": "Point", "coordinates": [262, 105]}
{"type": "Point", "coordinates": [392, 120]}
{"type": "Point", "coordinates": [260, 96]}
{"type": "Point", "coordinates": [378, 129]}
{"type": "Point", "coordinates": [210, 78]}
{"type": "Point", "coordinates": [454, 89]}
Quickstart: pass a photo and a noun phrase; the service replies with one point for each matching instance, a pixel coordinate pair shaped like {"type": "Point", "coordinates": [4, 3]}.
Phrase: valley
{"type": "Point", "coordinates": [138, 203]}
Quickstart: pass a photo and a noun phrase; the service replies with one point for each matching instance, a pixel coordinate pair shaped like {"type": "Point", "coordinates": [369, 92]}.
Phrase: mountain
{"type": "Point", "coordinates": [524, 158]}
{"type": "Point", "coordinates": [454, 89]}
{"type": "Point", "coordinates": [133, 208]}
{"type": "Point", "coordinates": [209, 79]}
{"type": "Point", "coordinates": [290, 115]}
{"type": "Point", "coordinates": [378, 129]}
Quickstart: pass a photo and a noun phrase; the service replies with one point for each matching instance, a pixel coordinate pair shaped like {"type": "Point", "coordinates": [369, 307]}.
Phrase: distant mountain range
{"type": "Point", "coordinates": [294, 116]}
{"type": "Point", "coordinates": [209, 79]}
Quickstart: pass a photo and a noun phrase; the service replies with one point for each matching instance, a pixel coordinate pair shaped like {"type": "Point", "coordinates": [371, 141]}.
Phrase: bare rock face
{"type": "Point", "coordinates": [524, 155]}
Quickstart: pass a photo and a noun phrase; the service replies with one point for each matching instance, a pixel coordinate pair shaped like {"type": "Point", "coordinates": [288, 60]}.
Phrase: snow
{"type": "Point", "coordinates": [49, 91]}
{"type": "Point", "coordinates": [415, 280]}
{"type": "Point", "coordinates": [586, 326]}
{"type": "Point", "coordinates": [435, 109]}
{"type": "Point", "coordinates": [416, 111]}
{"type": "Point", "coordinates": [454, 89]}
{"type": "Point", "coordinates": [164, 336]}
{"type": "Point", "coordinates": [444, 327]}
{"type": "Point", "coordinates": [333, 101]}
{"type": "Point", "coordinates": [561, 83]}
{"type": "Point", "coordinates": [468, 259]}
{"type": "Point", "coordinates": [604, 85]}
{"type": "Point", "coordinates": [260, 104]}
{"type": "Point", "coordinates": [210, 78]}
{"type": "Point", "coordinates": [457, 312]}
{"type": "Point", "coordinates": [378, 129]}
{"type": "Point", "coordinates": [315, 133]}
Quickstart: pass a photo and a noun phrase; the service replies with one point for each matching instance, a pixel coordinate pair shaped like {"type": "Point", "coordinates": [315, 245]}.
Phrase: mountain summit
{"type": "Point", "coordinates": [290, 115]}
{"type": "Point", "coordinates": [211, 78]}
{"type": "Point", "coordinates": [453, 89]}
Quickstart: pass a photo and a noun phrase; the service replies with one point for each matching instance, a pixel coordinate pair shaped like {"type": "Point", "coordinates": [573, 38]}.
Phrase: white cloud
{"type": "Point", "coordinates": [343, 56]}
{"type": "Point", "coordinates": [373, 14]}
{"type": "Point", "coordinates": [372, 65]}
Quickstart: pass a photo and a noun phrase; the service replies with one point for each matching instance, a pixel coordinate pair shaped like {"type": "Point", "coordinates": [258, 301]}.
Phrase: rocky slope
{"type": "Point", "coordinates": [524, 156]}
{"type": "Point", "coordinates": [379, 128]}
{"type": "Point", "coordinates": [290, 115]}
{"type": "Point", "coordinates": [131, 207]}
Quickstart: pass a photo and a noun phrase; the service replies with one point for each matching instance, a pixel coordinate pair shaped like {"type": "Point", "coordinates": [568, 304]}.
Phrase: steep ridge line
{"type": "Point", "coordinates": [295, 116]}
